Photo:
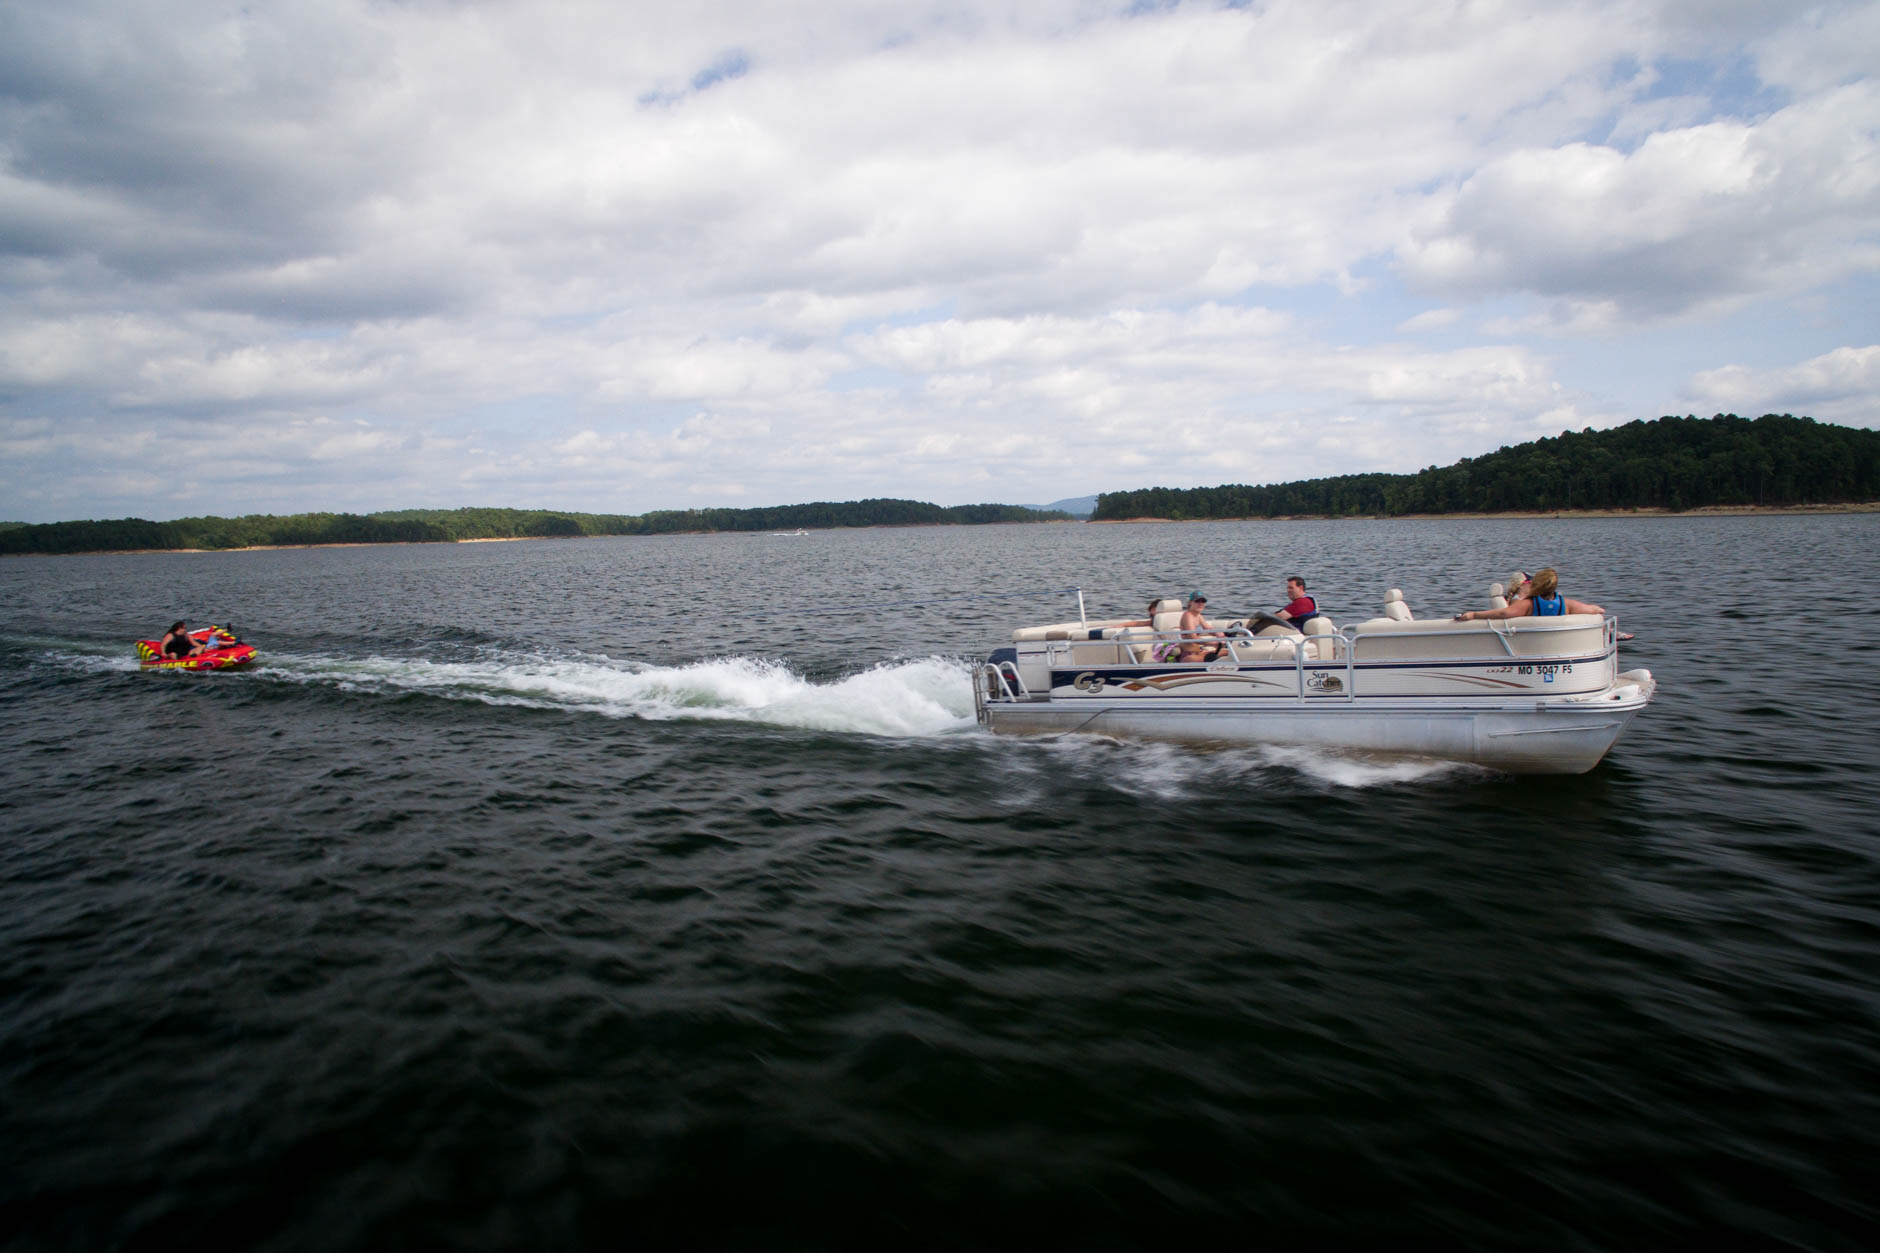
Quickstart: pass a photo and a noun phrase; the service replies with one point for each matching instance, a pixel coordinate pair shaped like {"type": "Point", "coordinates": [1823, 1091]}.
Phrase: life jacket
{"type": "Point", "coordinates": [1549, 606]}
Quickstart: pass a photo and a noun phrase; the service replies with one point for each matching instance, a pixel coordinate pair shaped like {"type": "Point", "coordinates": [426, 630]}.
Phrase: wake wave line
{"type": "Point", "coordinates": [922, 697]}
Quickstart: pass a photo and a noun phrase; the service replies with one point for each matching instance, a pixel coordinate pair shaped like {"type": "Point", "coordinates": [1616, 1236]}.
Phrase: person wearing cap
{"type": "Point", "coordinates": [1194, 630]}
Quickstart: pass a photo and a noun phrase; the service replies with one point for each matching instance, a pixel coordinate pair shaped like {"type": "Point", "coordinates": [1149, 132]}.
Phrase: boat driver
{"type": "Point", "coordinates": [1301, 606]}
{"type": "Point", "coordinates": [177, 643]}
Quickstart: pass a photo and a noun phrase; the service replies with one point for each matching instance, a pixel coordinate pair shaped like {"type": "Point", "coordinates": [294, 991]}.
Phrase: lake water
{"type": "Point", "coordinates": [656, 892]}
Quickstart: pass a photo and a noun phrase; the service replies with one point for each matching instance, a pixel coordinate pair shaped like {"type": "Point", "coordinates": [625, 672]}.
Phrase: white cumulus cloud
{"type": "Point", "coordinates": [632, 256]}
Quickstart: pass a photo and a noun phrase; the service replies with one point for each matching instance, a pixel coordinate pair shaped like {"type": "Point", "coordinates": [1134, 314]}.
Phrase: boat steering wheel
{"type": "Point", "coordinates": [1266, 620]}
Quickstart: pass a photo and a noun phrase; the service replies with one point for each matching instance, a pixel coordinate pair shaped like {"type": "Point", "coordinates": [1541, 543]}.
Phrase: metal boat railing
{"type": "Point", "coordinates": [1342, 642]}
{"type": "Point", "coordinates": [1007, 678]}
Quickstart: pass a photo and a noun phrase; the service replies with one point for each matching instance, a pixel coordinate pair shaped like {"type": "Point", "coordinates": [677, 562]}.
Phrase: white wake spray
{"type": "Point", "coordinates": [923, 697]}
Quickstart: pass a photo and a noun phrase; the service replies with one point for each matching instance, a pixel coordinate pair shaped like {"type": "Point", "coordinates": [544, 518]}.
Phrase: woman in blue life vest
{"type": "Point", "coordinates": [1543, 600]}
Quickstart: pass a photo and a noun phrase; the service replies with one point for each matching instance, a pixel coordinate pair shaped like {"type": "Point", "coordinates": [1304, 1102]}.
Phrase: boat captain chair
{"type": "Point", "coordinates": [1319, 649]}
{"type": "Point", "coordinates": [1394, 608]}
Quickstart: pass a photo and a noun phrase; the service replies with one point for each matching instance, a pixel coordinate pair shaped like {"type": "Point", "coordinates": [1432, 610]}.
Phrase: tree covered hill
{"type": "Point", "coordinates": [1672, 463]}
{"type": "Point", "coordinates": [445, 525]}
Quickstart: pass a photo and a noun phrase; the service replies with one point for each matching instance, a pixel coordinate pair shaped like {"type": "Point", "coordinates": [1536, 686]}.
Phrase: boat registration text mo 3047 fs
{"type": "Point", "coordinates": [1527, 695]}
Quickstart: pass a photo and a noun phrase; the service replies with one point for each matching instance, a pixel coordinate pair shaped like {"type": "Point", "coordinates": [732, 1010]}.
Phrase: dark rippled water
{"type": "Point", "coordinates": [662, 893]}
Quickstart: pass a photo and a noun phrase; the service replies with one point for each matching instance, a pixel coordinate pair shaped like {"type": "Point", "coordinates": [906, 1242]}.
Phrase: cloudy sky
{"type": "Point", "coordinates": [621, 256]}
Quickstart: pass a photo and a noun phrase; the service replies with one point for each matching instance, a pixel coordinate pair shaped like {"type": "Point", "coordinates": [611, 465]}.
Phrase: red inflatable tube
{"type": "Point", "coordinates": [224, 652]}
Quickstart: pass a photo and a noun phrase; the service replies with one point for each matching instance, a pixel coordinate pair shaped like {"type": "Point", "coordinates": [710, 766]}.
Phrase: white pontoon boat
{"type": "Point", "coordinates": [1527, 695]}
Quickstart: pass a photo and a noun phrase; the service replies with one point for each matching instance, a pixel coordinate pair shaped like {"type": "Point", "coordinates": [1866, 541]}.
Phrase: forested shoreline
{"type": "Point", "coordinates": [1672, 464]}
{"type": "Point", "coordinates": [440, 526]}
{"type": "Point", "coordinates": [1669, 464]}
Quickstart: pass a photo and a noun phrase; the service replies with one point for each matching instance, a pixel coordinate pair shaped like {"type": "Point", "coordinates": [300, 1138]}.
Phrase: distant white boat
{"type": "Point", "coordinates": [798, 531]}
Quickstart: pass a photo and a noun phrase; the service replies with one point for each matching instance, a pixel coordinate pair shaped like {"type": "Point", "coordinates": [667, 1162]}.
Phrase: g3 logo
{"type": "Point", "coordinates": [1087, 682]}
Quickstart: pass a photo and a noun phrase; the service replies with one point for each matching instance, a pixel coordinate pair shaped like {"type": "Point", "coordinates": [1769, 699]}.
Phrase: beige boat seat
{"type": "Point", "coordinates": [1497, 596]}
{"type": "Point", "coordinates": [1056, 631]}
{"type": "Point", "coordinates": [1394, 607]}
{"type": "Point", "coordinates": [1278, 648]}
{"type": "Point", "coordinates": [1137, 642]}
{"type": "Point", "coordinates": [1106, 628]}
{"type": "Point", "coordinates": [1318, 646]}
{"type": "Point", "coordinates": [1166, 621]}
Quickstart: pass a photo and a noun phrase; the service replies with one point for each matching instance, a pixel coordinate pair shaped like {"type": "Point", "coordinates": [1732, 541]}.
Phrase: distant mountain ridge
{"type": "Point", "coordinates": [1076, 506]}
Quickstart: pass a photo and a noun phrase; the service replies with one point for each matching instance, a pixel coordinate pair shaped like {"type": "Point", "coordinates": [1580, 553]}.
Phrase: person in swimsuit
{"type": "Point", "coordinates": [1194, 632]}
{"type": "Point", "coordinates": [1543, 600]}
{"type": "Point", "coordinates": [176, 642]}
